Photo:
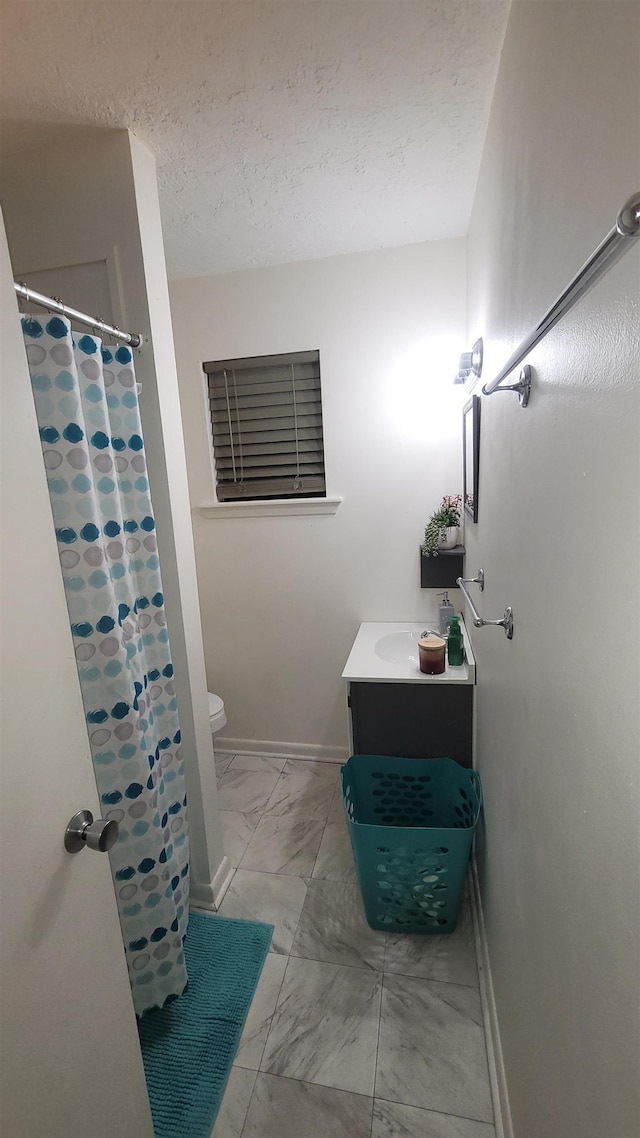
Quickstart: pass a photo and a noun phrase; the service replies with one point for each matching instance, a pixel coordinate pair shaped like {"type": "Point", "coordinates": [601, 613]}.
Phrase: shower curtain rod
{"type": "Point", "coordinates": [55, 305]}
{"type": "Point", "coordinates": [615, 244]}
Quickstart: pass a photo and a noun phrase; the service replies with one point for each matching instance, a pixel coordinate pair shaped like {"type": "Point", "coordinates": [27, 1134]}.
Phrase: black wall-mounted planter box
{"type": "Point", "coordinates": [442, 572]}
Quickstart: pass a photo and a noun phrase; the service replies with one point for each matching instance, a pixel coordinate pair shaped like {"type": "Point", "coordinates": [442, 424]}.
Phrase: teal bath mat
{"type": "Point", "coordinates": [189, 1046]}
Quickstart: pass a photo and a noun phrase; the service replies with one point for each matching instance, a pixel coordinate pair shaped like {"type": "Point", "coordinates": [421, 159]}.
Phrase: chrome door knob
{"type": "Point", "coordinates": [82, 831]}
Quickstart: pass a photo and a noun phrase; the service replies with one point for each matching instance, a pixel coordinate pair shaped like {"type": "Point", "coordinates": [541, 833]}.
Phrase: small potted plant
{"type": "Point", "coordinates": [442, 529]}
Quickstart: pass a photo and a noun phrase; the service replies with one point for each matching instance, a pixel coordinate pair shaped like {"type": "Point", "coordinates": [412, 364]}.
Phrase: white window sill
{"type": "Point", "coordinates": [270, 508]}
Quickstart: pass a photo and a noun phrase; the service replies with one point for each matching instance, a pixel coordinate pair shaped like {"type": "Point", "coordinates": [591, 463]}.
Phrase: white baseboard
{"type": "Point", "coordinates": [497, 1075]}
{"type": "Point", "coordinates": [208, 895]}
{"type": "Point", "coordinates": [312, 751]}
{"type": "Point", "coordinates": [201, 897]}
{"type": "Point", "coordinates": [222, 880]}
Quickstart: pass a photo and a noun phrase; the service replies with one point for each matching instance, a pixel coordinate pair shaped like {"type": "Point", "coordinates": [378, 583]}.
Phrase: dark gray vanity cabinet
{"type": "Point", "coordinates": [414, 721]}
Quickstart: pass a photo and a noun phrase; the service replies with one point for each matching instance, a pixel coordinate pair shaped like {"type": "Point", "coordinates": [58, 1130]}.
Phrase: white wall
{"type": "Point", "coordinates": [282, 597]}
{"type": "Point", "coordinates": [75, 195]}
{"type": "Point", "coordinates": [558, 537]}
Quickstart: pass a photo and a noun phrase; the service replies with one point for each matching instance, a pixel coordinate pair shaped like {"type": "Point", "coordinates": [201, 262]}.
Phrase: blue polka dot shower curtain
{"type": "Point", "coordinates": [93, 449]}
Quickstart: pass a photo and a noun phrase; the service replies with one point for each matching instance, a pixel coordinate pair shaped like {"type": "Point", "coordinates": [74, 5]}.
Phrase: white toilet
{"type": "Point", "coordinates": [217, 714]}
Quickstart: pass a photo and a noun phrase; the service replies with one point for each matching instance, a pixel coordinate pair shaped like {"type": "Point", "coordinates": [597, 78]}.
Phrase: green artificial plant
{"type": "Point", "coordinates": [446, 516]}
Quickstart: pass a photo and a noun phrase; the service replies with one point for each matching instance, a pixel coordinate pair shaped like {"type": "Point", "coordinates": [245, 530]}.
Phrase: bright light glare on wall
{"type": "Point", "coordinates": [421, 400]}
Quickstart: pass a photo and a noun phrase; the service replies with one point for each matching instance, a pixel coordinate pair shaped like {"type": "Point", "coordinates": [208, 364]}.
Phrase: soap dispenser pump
{"type": "Point", "coordinates": [445, 612]}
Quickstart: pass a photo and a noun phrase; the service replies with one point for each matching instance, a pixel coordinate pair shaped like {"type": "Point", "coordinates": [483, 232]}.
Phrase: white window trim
{"type": "Point", "coordinates": [268, 507]}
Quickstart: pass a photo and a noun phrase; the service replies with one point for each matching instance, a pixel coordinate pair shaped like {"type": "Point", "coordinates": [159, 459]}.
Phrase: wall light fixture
{"type": "Point", "coordinates": [470, 364]}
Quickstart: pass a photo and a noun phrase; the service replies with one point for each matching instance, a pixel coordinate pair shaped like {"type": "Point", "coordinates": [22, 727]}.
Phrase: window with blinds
{"type": "Point", "coordinates": [266, 421]}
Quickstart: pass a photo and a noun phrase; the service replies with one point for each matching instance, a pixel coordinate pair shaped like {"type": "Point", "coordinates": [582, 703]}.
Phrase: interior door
{"type": "Point", "coordinates": [71, 1063]}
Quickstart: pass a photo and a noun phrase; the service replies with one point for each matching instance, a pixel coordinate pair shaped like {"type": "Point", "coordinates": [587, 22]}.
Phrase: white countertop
{"type": "Point", "coordinates": [367, 657]}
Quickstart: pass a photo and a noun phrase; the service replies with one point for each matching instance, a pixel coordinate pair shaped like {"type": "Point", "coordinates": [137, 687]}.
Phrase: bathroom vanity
{"type": "Point", "coordinates": [394, 709]}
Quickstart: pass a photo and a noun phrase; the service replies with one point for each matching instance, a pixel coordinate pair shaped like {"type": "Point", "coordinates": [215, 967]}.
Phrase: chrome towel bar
{"type": "Point", "coordinates": [619, 239]}
{"type": "Point", "coordinates": [478, 621]}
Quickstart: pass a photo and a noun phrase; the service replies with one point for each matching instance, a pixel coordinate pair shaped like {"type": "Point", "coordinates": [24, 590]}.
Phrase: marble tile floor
{"type": "Point", "coordinates": [352, 1033]}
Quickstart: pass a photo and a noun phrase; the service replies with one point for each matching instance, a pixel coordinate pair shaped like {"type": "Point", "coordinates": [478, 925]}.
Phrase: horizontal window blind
{"type": "Point", "coordinates": [266, 422]}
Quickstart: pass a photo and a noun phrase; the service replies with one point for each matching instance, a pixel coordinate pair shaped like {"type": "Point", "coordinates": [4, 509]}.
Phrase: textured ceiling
{"type": "Point", "coordinates": [283, 131]}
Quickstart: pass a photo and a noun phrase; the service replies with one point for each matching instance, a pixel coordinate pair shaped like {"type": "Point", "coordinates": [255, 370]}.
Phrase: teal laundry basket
{"type": "Point", "coordinates": [411, 824]}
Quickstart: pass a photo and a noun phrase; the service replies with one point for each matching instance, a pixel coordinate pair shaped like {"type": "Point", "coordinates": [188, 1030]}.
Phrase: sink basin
{"type": "Point", "coordinates": [398, 647]}
{"type": "Point", "coordinates": [386, 652]}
